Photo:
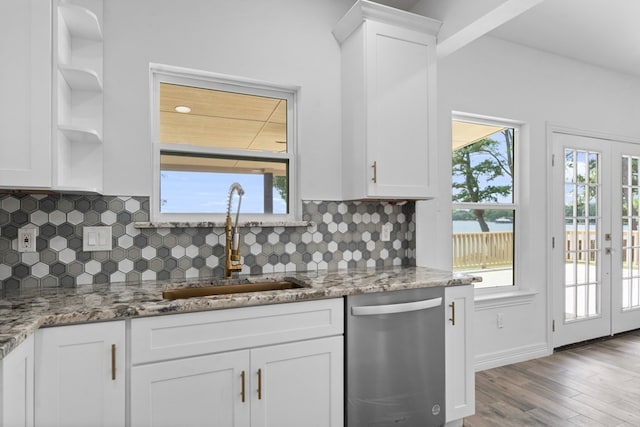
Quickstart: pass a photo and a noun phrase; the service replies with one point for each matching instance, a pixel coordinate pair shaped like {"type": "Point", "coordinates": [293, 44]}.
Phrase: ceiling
{"type": "Point", "coordinates": [605, 33]}
{"type": "Point", "coordinates": [224, 120]}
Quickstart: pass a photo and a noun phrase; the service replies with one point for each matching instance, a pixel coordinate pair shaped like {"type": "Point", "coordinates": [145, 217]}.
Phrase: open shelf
{"type": "Point", "coordinates": [81, 22]}
{"type": "Point", "coordinates": [81, 78]}
{"type": "Point", "coordinates": [80, 134]}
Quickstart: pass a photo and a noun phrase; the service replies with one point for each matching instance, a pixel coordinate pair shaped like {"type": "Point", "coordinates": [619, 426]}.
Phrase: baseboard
{"type": "Point", "coordinates": [512, 355]}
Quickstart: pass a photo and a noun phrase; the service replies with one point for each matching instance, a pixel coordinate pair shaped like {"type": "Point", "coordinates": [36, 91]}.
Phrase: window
{"type": "Point", "coordinates": [210, 131]}
{"type": "Point", "coordinates": [484, 199]}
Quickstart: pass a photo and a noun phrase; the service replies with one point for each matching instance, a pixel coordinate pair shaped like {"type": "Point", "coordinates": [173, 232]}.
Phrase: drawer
{"type": "Point", "coordinates": [191, 334]}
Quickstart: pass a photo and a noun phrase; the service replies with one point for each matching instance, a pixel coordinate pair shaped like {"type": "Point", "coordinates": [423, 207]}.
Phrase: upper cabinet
{"type": "Point", "coordinates": [25, 94]}
{"type": "Point", "coordinates": [51, 104]}
{"type": "Point", "coordinates": [388, 103]}
{"type": "Point", "coordinates": [77, 96]}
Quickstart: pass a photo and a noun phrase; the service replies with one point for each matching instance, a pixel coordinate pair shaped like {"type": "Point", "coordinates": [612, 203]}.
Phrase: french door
{"type": "Point", "coordinates": [596, 240]}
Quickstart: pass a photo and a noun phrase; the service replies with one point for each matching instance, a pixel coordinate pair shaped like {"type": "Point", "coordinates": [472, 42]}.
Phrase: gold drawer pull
{"type": "Point", "coordinates": [113, 362]}
{"type": "Point", "coordinates": [243, 388]}
{"type": "Point", "coordinates": [453, 313]}
{"type": "Point", "coordinates": [375, 172]}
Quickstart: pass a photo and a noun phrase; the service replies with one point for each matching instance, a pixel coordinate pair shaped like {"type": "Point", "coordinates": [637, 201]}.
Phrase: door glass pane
{"type": "Point", "coordinates": [630, 242]}
{"type": "Point", "coordinates": [582, 221]}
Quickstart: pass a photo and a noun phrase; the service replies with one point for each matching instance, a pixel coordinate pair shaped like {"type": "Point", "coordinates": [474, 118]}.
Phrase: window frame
{"type": "Point", "coordinates": [518, 137]}
{"type": "Point", "coordinates": [160, 73]}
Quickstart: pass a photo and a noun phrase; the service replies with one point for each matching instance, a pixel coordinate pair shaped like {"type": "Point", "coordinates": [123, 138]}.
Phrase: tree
{"type": "Point", "coordinates": [475, 168]}
{"type": "Point", "coordinates": [281, 184]}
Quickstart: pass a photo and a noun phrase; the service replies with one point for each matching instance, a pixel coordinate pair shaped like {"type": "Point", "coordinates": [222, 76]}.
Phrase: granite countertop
{"type": "Point", "coordinates": [22, 313]}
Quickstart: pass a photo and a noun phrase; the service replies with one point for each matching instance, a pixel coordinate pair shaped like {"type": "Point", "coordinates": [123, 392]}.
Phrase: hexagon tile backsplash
{"type": "Point", "coordinates": [343, 235]}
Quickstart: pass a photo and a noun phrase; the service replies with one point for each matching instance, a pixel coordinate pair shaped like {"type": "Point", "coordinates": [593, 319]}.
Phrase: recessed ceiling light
{"type": "Point", "coordinates": [183, 109]}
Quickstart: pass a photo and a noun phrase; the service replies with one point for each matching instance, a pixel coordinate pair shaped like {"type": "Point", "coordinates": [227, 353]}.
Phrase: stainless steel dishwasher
{"type": "Point", "coordinates": [395, 359]}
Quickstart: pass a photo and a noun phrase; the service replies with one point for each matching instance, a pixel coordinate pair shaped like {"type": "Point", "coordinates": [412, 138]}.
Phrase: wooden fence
{"type": "Point", "coordinates": [482, 250]}
{"type": "Point", "coordinates": [494, 249]}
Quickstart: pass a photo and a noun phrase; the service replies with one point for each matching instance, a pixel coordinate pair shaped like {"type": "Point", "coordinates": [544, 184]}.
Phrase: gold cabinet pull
{"type": "Point", "coordinates": [243, 389]}
{"type": "Point", "coordinates": [259, 384]}
{"type": "Point", "coordinates": [113, 362]}
{"type": "Point", "coordinates": [375, 172]}
{"type": "Point", "coordinates": [453, 313]}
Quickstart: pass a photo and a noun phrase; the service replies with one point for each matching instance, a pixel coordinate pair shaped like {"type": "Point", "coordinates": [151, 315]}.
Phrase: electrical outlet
{"type": "Point", "coordinates": [500, 320]}
{"type": "Point", "coordinates": [27, 239]}
{"type": "Point", "coordinates": [385, 232]}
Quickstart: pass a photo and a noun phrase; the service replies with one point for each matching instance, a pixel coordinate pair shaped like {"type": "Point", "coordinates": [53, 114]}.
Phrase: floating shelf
{"type": "Point", "coordinates": [81, 78]}
{"type": "Point", "coordinates": [80, 134]}
{"type": "Point", "coordinates": [81, 22]}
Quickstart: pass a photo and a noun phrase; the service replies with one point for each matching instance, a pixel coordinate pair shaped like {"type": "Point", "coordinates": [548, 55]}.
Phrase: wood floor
{"type": "Point", "coordinates": [595, 384]}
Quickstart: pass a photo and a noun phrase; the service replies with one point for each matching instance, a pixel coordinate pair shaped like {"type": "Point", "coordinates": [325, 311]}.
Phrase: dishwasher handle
{"type": "Point", "coordinates": [372, 310]}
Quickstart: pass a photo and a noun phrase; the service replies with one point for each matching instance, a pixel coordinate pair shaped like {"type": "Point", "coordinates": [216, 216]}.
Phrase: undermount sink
{"type": "Point", "coordinates": [203, 291]}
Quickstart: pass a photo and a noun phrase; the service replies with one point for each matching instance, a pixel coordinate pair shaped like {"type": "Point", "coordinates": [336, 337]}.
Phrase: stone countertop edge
{"type": "Point", "coordinates": [22, 313]}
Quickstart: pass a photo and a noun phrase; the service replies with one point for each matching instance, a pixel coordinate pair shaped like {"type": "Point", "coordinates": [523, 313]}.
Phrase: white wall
{"type": "Point", "coordinates": [455, 14]}
{"type": "Point", "coordinates": [500, 79]}
{"type": "Point", "coordinates": [281, 41]}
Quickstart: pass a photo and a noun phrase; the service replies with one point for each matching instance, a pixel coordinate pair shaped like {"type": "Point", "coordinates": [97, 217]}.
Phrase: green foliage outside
{"type": "Point", "coordinates": [477, 169]}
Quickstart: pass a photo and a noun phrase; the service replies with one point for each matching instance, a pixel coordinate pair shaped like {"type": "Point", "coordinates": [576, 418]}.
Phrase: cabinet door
{"type": "Point", "coordinates": [16, 392]}
{"type": "Point", "coordinates": [80, 375]}
{"type": "Point", "coordinates": [298, 384]}
{"type": "Point", "coordinates": [212, 390]}
{"type": "Point", "coordinates": [459, 370]}
{"type": "Point", "coordinates": [25, 85]}
{"type": "Point", "coordinates": [399, 104]}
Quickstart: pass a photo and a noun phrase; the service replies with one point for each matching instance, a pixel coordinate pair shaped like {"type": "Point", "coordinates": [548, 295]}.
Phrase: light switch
{"type": "Point", "coordinates": [96, 239]}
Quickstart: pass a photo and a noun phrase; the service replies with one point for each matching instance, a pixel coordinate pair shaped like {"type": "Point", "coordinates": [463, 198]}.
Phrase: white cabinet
{"type": "Point", "coordinates": [212, 390]}
{"type": "Point", "coordinates": [80, 375]}
{"type": "Point", "coordinates": [459, 368]}
{"type": "Point", "coordinates": [16, 386]}
{"type": "Point", "coordinates": [265, 366]}
{"type": "Point", "coordinates": [25, 94]}
{"type": "Point", "coordinates": [299, 384]}
{"type": "Point", "coordinates": [51, 109]}
{"type": "Point", "coordinates": [283, 385]}
{"type": "Point", "coordinates": [388, 103]}
{"type": "Point", "coordinates": [77, 96]}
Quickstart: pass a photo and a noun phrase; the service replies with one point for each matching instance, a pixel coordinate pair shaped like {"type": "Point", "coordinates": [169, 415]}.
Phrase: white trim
{"type": "Point", "coordinates": [363, 10]}
{"type": "Point", "coordinates": [552, 129]}
{"type": "Point", "coordinates": [520, 138]}
{"type": "Point", "coordinates": [511, 298]}
{"type": "Point", "coordinates": [178, 75]}
{"type": "Point", "coordinates": [513, 355]}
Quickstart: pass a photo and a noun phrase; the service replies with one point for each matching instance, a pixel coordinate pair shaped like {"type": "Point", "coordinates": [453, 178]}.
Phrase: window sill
{"type": "Point", "coordinates": [488, 301]}
{"type": "Point", "coordinates": [221, 224]}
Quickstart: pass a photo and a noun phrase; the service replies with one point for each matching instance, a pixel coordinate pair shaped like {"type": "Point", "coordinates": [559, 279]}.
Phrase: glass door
{"type": "Point", "coordinates": [626, 242]}
{"type": "Point", "coordinates": [596, 245]}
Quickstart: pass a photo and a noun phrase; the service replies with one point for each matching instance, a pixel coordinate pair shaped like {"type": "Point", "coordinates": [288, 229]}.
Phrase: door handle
{"type": "Point", "coordinates": [243, 386]}
{"type": "Point", "coordinates": [453, 313]}
{"type": "Point", "coordinates": [372, 310]}
{"type": "Point", "coordinates": [113, 362]}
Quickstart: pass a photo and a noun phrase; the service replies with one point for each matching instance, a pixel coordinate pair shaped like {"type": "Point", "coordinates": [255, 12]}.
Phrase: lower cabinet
{"type": "Point", "coordinates": [16, 386]}
{"type": "Point", "coordinates": [299, 384]}
{"type": "Point", "coordinates": [459, 363]}
{"type": "Point", "coordinates": [80, 375]}
{"type": "Point", "coordinates": [294, 384]}
{"type": "Point", "coordinates": [266, 366]}
{"type": "Point", "coordinates": [209, 390]}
